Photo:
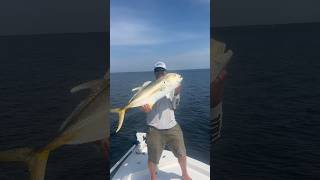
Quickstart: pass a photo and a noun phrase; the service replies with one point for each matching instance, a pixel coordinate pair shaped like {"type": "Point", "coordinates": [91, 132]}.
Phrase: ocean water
{"type": "Point", "coordinates": [192, 114]}
{"type": "Point", "coordinates": [271, 125]}
{"type": "Point", "coordinates": [36, 75]}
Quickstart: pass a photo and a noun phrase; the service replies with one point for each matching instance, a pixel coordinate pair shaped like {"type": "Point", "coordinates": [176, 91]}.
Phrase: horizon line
{"type": "Point", "coordinates": [248, 25]}
{"type": "Point", "coordinates": [114, 72]}
{"type": "Point", "coordinates": [108, 30]}
{"type": "Point", "coordinates": [53, 33]}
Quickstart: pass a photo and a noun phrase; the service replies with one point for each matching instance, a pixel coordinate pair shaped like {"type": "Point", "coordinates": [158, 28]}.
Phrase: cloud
{"type": "Point", "coordinates": [127, 29]}
{"type": "Point", "coordinates": [195, 59]}
{"type": "Point", "coordinates": [130, 33]}
{"type": "Point", "coordinates": [134, 33]}
{"type": "Point", "coordinates": [140, 38]}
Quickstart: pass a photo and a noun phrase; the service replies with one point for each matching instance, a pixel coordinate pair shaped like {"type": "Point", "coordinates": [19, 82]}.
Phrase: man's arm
{"type": "Point", "coordinates": [145, 108]}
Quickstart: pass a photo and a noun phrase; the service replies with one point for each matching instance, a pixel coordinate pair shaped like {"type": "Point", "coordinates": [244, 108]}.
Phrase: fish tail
{"type": "Point", "coordinates": [36, 161]}
{"type": "Point", "coordinates": [121, 113]}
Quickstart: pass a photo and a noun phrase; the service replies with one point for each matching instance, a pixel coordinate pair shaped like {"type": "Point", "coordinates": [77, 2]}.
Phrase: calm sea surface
{"type": "Point", "coordinates": [192, 114]}
{"type": "Point", "coordinates": [271, 126]}
{"type": "Point", "coordinates": [36, 75]}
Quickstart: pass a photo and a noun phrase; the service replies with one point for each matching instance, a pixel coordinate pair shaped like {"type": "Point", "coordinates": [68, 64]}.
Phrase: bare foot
{"type": "Point", "coordinates": [187, 177]}
{"type": "Point", "coordinates": [153, 178]}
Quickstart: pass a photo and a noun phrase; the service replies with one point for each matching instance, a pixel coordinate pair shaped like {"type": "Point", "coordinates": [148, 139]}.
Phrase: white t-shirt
{"type": "Point", "coordinates": [162, 114]}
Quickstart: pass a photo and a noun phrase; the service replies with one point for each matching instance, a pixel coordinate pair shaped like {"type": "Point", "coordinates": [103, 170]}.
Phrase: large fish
{"type": "Point", "coordinates": [219, 58]}
{"type": "Point", "coordinates": [149, 93]}
{"type": "Point", "coordinates": [219, 61]}
{"type": "Point", "coordinates": [87, 123]}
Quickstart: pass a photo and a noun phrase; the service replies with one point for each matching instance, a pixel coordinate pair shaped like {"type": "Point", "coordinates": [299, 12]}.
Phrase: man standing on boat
{"type": "Point", "coordinates": [163, 129]}
{"type": "Point", "coordinates": [219, 61]}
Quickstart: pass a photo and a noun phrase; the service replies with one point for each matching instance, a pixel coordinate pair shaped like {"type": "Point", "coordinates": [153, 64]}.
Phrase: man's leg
{"type": "Point", "coordinates": [175, 141]}
{"type": "Point", "coordinates": [155, 147]}
{"type": "Point", "coordinates": [153, 170]}
{"type": "Point", "coordinates": [183, 165]}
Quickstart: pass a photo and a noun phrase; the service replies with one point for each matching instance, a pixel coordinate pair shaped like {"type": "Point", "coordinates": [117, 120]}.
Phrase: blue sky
{"type": "Point", "coordinates": [145, 31]}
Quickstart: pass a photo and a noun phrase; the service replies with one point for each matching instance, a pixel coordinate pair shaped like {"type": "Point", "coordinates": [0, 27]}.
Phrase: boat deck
{"type": "Point", "coordinates": [134, 167]}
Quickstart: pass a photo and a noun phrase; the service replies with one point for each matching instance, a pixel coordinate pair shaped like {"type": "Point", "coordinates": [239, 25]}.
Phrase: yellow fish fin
{"type": "Point", "coordinates": [36, 160]}
{"type": "Point", "coordinates": [121, 113]}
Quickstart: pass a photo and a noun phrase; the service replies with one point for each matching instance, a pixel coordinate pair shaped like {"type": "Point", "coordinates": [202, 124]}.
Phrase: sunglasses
{"type": "Point", "coordinates": [159, 70]}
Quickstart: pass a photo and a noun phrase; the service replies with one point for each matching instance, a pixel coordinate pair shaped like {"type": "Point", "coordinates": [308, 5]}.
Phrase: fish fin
{"type": "Point", "coordinates": [36, 161]}
{"type": "Point", "coordinates": [93, 85]}
{"type": "Point", "coordinates": [100, 85]}
{"type": "Point", "coordinates": [146, 83]}
{"type": "Point", "coordinates": [141, 87]}
{"type": "Point", "coordinates": [136, 89]}
{"type": "Point", "coordinates": [121, 113]}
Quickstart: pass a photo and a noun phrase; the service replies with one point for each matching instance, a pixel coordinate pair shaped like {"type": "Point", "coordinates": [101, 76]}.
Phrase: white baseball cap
{"type": "Point", "coordinates": [160, 64]}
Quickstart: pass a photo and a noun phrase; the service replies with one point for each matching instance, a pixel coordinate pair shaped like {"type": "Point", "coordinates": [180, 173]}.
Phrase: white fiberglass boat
{"type": "Point", "coordinates": [133, 165]}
